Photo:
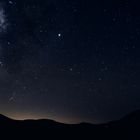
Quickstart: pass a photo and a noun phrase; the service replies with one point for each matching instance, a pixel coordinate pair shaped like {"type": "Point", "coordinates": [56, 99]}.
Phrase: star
{"type": "Point", "coordinates": [24, 87]}
{"type": "Point", "coordinates": [12, 97]}
{"type": "Point", "coordinates": [100, 79]}
{"type": "Point", "coordinates": [71, 69]}
{"type": "Point", "coordinates": [8, 43]}
{"type": "Point", "coordinates": [10, 2]}
{"type": "Point", "coordinates": [133, 47]}
{"type": "Point", "coordinates": [1, 63]}
{"type": "Point", "coordinates": [59, 35]}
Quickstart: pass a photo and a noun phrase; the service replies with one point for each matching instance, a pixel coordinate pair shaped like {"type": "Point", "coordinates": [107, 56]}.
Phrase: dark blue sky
{"type": "Point", "coordinates": [69, 60]}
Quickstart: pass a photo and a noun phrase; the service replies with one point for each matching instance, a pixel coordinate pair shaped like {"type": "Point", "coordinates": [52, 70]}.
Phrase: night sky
{"type": "Point", "coordinates": [69, 60]}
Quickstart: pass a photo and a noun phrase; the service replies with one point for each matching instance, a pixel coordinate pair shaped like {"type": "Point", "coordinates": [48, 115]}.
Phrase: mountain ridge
{"type": "Point", "coordinates": [130, 116]}
{"type": "Point", "coordinates": [125, 128]}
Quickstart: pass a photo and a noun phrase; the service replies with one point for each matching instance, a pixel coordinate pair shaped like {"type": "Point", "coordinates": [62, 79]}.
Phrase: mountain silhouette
{"type": "Point", "coordinates": [126, 128]}
{"type": "Point", "coordinates": [133, 117]}
{"type": "Point", "coordinates": [3, 118]}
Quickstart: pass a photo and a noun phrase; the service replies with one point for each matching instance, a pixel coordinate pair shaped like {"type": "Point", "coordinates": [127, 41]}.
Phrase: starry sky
{"type": "Point", "coordinates": [69, 60]}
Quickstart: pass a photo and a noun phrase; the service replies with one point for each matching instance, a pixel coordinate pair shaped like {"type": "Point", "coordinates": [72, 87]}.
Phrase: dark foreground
{"type": "Point", "coordinates": [126, 128]}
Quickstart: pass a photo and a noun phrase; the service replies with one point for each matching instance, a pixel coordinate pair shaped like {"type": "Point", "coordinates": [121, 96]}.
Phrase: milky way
{"type": "Point", "coordinates": [3, 20]}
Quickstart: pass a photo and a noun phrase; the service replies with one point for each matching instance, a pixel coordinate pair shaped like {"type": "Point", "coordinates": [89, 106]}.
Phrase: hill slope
{"type": "Point", "coordinates": [126, 128]}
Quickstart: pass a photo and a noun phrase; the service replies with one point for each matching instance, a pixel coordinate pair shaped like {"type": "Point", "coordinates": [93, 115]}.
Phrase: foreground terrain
{"type": "Point", "coordinates": [126, 128]}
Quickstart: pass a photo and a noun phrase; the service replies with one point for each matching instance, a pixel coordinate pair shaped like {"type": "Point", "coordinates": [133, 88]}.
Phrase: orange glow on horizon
{"type": "Point", "coordinates": [22, 116]}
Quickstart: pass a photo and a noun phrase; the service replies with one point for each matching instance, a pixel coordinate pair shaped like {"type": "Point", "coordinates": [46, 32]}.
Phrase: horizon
{"type": "Point", "coordinates": [22, 117]}
{"type": "Point", "coordinates": [66, 122]}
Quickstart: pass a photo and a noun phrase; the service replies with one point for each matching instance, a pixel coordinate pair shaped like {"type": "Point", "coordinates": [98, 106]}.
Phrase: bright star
{"type": "Point", "coordinates": [59, 35]}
